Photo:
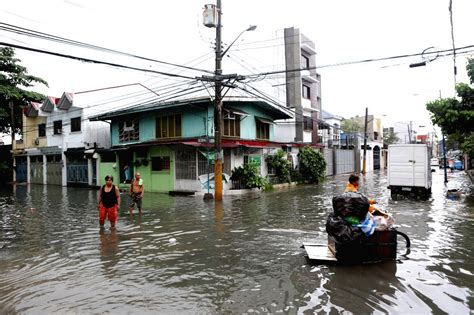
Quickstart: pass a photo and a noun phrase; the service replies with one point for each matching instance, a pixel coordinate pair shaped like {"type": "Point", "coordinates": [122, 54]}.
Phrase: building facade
{"type": "Point", "coordinates": [301, 89]}
{"type": "Point", "coordinates": [58, 144]}
{"type": "Point", "coordinates": [172, 144]}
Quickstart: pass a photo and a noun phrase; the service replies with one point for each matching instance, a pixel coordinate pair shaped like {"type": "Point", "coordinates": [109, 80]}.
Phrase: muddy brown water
{"type": "Point", "coordinates": [183, 255]}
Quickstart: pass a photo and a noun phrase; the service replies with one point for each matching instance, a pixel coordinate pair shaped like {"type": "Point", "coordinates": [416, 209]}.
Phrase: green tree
{"type": "Point", "coordinates": [455, 116]}
{"type": "Point", "coordinates": [312, 165]}
{"type": "Point", "coordinates": [351, 127]}
{"type": "Point", "coordinates": [14, 84]}
{"type": "Point", "coordinates": [390, 137]}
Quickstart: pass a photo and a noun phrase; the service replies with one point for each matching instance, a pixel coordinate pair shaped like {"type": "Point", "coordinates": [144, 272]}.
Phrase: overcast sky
{"type": "Point", "coordinates": [172, 31]}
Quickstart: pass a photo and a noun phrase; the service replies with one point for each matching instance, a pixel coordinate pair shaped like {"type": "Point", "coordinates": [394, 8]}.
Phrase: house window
{"type": "Point", "coordinates": [58, 127]}
{"type": "Point", "coordinates": [41, 130]}
{"type": "Point", "coordinates": [168, 126]}
{"type": "Point", "coordinates": [160, 163]}
{"type": "Point", "coordinates": [231, 125]}
{"type": "Point", "coordinates": [304, 62]}
{"type": "Point", "coordinates": [108, 157]}
{"type": "Point", "coordinates": [263, 131]}
{"type": "Point", "coordinates": [308, 123]}
{"type": "Point", "coordinates": [306, 92]}
{"type": "Point", "coordinates": [76, 124]}
{"type": "Point", "coordinates": [129, 130]}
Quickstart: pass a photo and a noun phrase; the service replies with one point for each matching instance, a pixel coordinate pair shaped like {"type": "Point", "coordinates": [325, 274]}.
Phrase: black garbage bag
{"type": "Point", "coordinates": [342, 231]}
{"type": "Point", "coordinates": [351, 204]}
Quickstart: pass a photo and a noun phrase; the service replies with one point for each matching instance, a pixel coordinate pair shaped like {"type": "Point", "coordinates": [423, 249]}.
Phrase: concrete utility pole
{"type": "Point", "coordinates": [218, 109]}
{"type": "Point", "coordinates": [364, 161]}
{"type": "Point", "coordinates": [218, 80]}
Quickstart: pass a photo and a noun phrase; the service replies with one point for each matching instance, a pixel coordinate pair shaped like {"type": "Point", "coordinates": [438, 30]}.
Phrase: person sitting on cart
{"type": "Point", "coordinates": [353, 186]}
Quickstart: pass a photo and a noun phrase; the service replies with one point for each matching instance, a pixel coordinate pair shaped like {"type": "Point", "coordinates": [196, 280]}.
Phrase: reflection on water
{"type": "Point", "coordinates": [242, 256]}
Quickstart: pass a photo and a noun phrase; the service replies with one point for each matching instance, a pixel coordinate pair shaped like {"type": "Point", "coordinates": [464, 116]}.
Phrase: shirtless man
{"type": "Point", "coordinates": [137, 189]}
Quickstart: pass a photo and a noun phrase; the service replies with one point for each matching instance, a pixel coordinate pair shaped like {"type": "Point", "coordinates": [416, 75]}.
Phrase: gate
{"type": "Point", "coordinates": [344, 161]}
{"type": "Point", "coordinates": [36, 169]}
{"type": "Point", "coordinates": [54, 172]}
{"type": "Point", "coordinates": [21, 169]}
{"type": "Point", "coordinates": [328, 156]}
{"type": "Point", "coordinates": [77, 173]}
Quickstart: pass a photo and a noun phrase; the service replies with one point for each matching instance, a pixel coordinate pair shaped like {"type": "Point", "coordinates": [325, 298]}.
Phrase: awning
{"type": "Point", "coordinates": [235, 111]}
{"type": "Point", "coordinates": [265, 121]}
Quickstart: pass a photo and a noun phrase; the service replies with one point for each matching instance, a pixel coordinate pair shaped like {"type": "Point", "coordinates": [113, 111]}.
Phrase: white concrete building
{"type": "Point", "coordinates": [58, 143]}
{"type": "Point", "coordinates": [331, 135]}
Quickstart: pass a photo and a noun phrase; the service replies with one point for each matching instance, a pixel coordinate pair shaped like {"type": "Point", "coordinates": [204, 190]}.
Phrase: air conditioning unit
{"type": "Point", "coordinates": [37, 141]}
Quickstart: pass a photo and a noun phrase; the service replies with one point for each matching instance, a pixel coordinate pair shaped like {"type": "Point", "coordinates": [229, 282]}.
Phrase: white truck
{"type": "Point", "coordinates": [409, 170]}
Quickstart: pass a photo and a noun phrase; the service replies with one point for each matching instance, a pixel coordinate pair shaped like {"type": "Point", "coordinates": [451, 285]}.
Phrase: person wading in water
{"type": "Point", "coordinates": [109, 202]}
{"type": "Point", "coordinates": [137, 189]}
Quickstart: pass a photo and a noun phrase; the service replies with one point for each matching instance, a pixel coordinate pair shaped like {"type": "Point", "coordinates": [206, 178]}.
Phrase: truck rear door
{"type": "Point", "coordinates": [420, 160]}
{"type": "Point", "coordinates": [401, 170]}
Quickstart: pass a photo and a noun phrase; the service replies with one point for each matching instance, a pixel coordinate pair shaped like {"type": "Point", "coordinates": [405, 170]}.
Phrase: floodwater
{"type": "Point", "coordinates": [183, 255]}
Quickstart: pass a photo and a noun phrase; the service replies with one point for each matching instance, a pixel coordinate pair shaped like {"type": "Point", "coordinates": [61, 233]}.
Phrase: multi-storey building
{"type": "Point", "coordinates": [58, 143]}
{"type": "Point", "coordinates": [302, 91]}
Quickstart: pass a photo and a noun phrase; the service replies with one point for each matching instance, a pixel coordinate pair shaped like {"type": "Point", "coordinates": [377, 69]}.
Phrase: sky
{"type": "Point", "coordinates": [172, 31]}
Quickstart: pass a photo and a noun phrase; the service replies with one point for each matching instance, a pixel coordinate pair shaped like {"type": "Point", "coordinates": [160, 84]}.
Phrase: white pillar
{"type": "Point", "coordinates": [14, 170]}
{"type": "Point", "coordinates": [45, 170]}
{"type": "Point", "coordinates": [28, 168]}
{"type": "Point", "coordinates": [89, 171]}
{"type": "Point", "coordinates": [97, 174]}
{"type": "Point", "coordinates": [64, 169]}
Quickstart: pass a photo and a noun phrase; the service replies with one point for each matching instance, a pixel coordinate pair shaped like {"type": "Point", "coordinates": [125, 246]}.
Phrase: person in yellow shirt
{"type": "Point", "coordinates": [353, 186]}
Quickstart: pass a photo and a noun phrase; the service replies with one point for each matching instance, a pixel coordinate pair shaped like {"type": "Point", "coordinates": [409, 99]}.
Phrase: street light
{"type": "Point", "coordinates": [424, 58]}
{"type": "Point", "coordinates": [250, 28]}
{"type": "Point", "coordinates": [213, 18]}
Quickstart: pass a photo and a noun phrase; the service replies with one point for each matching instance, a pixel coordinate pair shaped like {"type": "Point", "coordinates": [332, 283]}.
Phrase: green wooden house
{"type": "Point", "coordinates": [171, 144]}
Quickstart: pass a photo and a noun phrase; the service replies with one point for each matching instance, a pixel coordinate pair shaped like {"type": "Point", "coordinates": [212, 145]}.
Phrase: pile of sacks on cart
{"type": "Point", "coordinates": [351, 219]}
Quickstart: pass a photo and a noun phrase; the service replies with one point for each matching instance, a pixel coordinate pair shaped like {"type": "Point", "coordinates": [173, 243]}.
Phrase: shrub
{"type": "Point", "coordinates": [249, 176]}
{"type": "Point", "coordinates": [281, 165]}
{"type": "Point", "coordinates": [311, 164]}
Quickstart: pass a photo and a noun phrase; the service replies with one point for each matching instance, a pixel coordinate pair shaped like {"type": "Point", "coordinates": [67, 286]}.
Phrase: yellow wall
{"type": "Point", "coordinates": [30, 132]}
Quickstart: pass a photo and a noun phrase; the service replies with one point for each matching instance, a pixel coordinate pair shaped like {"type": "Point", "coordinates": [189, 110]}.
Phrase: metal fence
{"type": "Point", "coordinates": [77, 173]}
{"type": "Point", "coordinates": [328, 156]}
{"type": "Point", "coordinates": [186, 164]}
{"type": "Point", "coordinates": [339, 161]}
{"type": "Point", "coordinates": [345, 161]}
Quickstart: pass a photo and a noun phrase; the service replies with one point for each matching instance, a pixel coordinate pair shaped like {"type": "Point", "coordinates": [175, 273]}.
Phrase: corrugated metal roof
{"type": "Point", "coordinates": [274, 111]}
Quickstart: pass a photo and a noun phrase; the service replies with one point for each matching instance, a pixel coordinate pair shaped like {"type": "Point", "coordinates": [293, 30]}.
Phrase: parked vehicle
{"type": "Point", "coordinates": [409, 170]}
{"type": "Point", "coordinates": [434, 162]}
{"type": "Point", "coordinates": [458, 165]}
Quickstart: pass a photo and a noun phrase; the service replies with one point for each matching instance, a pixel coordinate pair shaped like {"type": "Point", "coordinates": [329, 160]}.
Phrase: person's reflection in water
{"type": "Point", "coordinates": [109, 241]}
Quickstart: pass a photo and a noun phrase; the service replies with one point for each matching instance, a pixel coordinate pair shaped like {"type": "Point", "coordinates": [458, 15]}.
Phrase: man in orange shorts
{"type": "Point", "coordinates": [109, 202]}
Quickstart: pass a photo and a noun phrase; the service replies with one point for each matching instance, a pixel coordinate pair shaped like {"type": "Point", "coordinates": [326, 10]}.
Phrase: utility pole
{"type": "Point", "coordinates": [218, 109]}
{"type": "Point", "coordinates": [364, 161]}
{"type": "Point", "coordinates": [409, 133]}
{"type": "Point", "coordinates": [445, 162]}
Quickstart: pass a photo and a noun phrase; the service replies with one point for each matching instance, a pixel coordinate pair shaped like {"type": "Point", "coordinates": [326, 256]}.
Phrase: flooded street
{"type": "Point", "coordinates": [183, 255]}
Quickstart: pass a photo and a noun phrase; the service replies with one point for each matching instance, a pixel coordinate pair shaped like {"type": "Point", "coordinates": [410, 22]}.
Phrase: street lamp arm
{"type": "Point", "coordinates": [250, 28]}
